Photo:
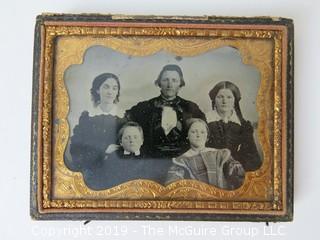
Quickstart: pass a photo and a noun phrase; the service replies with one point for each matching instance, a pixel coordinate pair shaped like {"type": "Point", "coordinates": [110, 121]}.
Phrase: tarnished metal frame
{"type": "Point", "coordinates": [36, 203]}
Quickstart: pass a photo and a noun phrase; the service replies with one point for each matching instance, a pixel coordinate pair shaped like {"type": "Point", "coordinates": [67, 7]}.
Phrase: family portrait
{"type": "Point", "coordinates": [162, 118]}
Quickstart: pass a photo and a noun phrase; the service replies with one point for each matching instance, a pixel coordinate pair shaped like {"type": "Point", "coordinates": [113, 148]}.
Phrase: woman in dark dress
{"type": "Point", "coordinates": [228, 128]}
{"type": "Point", "coordinates": [96, 133]}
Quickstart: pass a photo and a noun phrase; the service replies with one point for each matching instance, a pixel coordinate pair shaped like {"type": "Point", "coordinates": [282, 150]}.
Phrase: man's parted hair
{"type": "Point", "coordinates": [171, 67]}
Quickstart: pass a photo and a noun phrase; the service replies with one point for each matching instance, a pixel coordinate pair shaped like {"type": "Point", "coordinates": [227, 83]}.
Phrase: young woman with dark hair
{"type": "Point", "coordinates": [228, 128]}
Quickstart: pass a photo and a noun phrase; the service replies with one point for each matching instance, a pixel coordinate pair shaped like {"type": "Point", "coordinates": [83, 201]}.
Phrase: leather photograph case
{"type": "Point", "coordinates": [162, 118]}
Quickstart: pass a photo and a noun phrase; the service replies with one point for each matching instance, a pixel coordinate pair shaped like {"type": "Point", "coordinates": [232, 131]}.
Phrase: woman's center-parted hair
{"type": "Point", "coordinates": [171, 67]}
{"type": "Point", "coordinates": [97, 82]}
{"type": "Point", "coordinates": [235, 91]}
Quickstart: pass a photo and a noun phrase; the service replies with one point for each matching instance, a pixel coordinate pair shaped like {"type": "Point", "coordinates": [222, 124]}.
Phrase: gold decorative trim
{"type": "Point", "coordinates": [61, 189]}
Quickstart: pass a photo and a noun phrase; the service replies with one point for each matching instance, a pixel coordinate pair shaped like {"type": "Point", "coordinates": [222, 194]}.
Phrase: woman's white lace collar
{"type": "Point", "coordinates": [213, 116]}
{"type": "Point", "coordinates": [115, 111]}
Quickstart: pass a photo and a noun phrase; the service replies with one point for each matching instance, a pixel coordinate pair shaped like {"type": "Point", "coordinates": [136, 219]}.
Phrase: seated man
{"type": "Point", "coordinates": [128, 163]}
{"type": "Point", "coordinates": [163, 118]}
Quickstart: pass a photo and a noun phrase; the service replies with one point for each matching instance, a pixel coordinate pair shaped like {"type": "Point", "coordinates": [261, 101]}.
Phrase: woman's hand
{"type": "Point", "coordinates": [236, 169]}
{"type": "Point", "coordinates": [111, 148]}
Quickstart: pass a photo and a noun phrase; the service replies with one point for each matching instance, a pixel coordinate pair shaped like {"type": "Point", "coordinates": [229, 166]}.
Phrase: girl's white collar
{"type": "Point", "coordinates": [191, 152]}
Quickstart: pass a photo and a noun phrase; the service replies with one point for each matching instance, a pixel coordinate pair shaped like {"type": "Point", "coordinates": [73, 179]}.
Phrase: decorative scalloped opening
{"type": "Point", "coordinates": [201, 72]}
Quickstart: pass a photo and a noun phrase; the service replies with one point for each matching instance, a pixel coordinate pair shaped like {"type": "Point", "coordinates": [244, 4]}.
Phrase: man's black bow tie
{"type": "Point", "coordinates": [169, 103]}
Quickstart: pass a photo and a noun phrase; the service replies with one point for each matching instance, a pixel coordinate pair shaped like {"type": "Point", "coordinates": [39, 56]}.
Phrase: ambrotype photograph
{"type": "Point", "coordinates": [182, 118]}
{"type": "Point", "coordinates": [162, 117]}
